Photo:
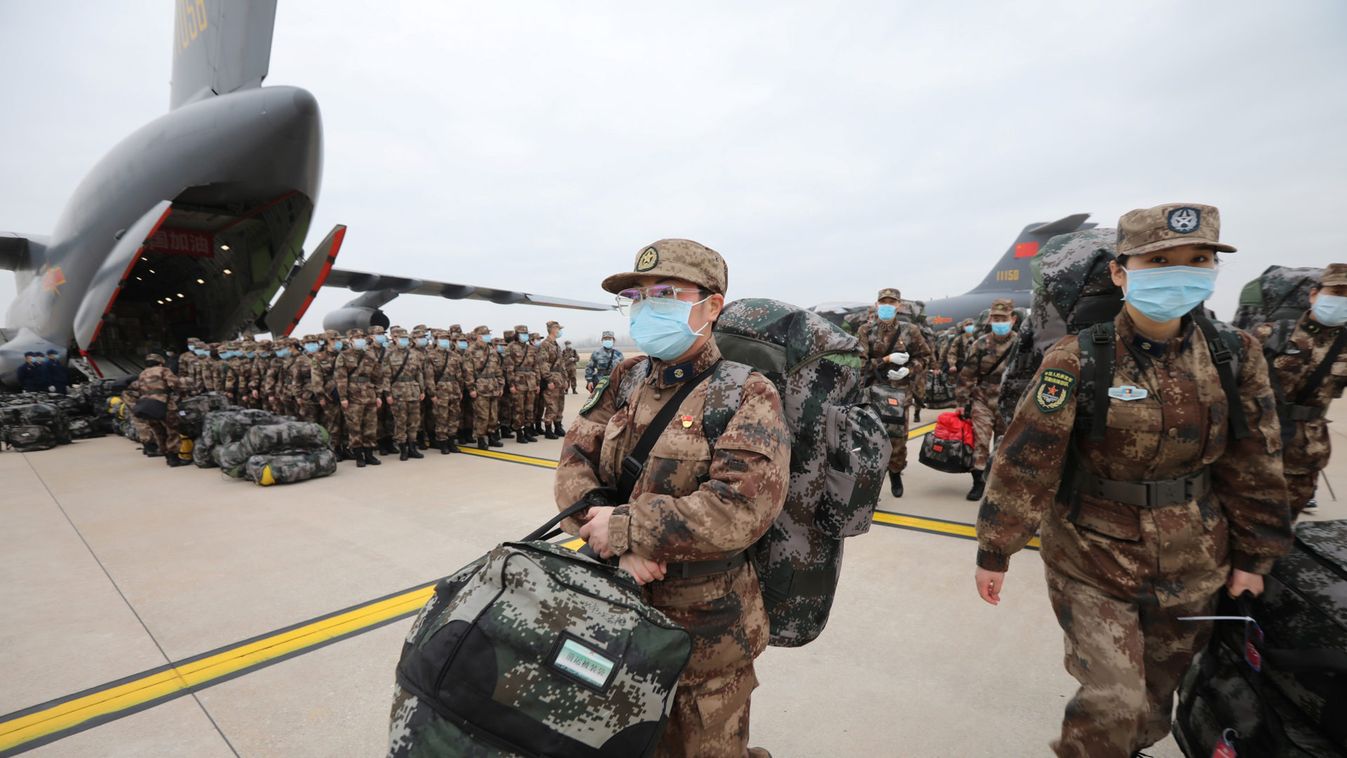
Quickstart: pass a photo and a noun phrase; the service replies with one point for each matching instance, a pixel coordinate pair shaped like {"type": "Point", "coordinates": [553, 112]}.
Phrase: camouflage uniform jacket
{"type": "Point", "coordinates": [980, 377]}
{"type": "Point", "coordinates": [551, 363]}
{"type": "Point", "coordinates": [446, 370]}
{"type": "Point", "coordinates": [302, 369]}
{"type": "Point", "coordinates": [359, 375]}
{"type": "Point", "coordinates": [189, 373]}
{"type": "Point", "coordinates": [159, 383]}
{"type": "Point", "coordinates": [880, 338]}
{"type": "Point", "coordinates": [1172, 554]}
{"type": "Point", "coordinates": [692, 502]}
{"type": "Point", "coordinates": [570, 357]}
{"type": "Point", "coordinates": [274, 383]}
{"type": "Point", "coordinates": [956, 354]}
{"type": "Point", "coordinates": [488, 370]}
{"type": "Point", "coordinates": [601, 364]}
{"type": "Point", "coordinates": [1300, 348]}
{"type": "Point", "coordinates": [407, 375]}
{"type": "Point", "coordinates": [235, 376]}
{"type": "Point", "coordinates": [520, 364]}
{"type": "Point", "coordinates": [323, 374]}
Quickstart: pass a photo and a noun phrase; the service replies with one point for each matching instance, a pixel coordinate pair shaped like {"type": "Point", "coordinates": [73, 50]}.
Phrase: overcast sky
{"type": "Point", "coordinates": [825, 151]}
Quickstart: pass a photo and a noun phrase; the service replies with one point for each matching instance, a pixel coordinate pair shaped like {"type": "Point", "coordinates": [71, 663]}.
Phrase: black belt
{"type": "Point", "coordinates": [1292, 412]}
{"type": "Point", "coordinates": [694, 569]}
{"type": "Point", "coordinates": [406, 381]}
{"type": "Point", "coordinates": [1147, 494]}
{"type": "Point", "coordinates": [358, 380]}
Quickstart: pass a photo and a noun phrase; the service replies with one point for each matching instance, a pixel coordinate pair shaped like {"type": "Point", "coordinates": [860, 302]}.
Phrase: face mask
{"type": "Point", "coordinates": [381, 339]}
{"type": "Point", "coordinates": [886, 312]}
{"type": "Point", "coordinates": [1000, 328]}
{"type": "Point", "coordinates": [403, 342]}
{"type": "Point", "coordinates": [484, 337]}
{"type": "Point", "coordinates": [660, 327]}
{"type": "Point", "coordinates": [608, 344]}
{"type": "Point", "coordinates": [500, 349]}
{"type": "Point", "coordinates": [1330, 310]}
{"type": "Point", "coordinates": [310, 347]}
{"type": "Point", "coordinates": [264, 355]}
{"type": "Point", "coordinates": [442, 344]}
{"type": "Point", "coordinates": [1168, 292]}
{"type": "Point", "coordinates": [336, 346]}
{"type": "Point", "coordinates": [283, 353]}
{"type": "Point", "coordinates": [561, 333]}
{"type": "Point", "coordinates": [359, 344]}
{"type": "Point", "coordinates": [537, 343]}
{"type": "Point", "coordinates": [422, 342]}
{"type": "Point", "coordinates": [970, 329]}
{"type": "Point", "coordinates": [250, 354]}
{"type": "Point", "coordinates": [524, 338]}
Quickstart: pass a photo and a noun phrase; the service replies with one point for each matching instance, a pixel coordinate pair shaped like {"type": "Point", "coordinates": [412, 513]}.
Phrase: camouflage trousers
{"type": "Point", "coordinates": [333, 421]}
{"type": "Point", "coordinates": [445, 411]}
{"type": "Point", "coordinates": [308, 410]}
{"type": "Point", "coordinates": [987, 422]}
{"type": "Point", "coordinates": [485, 418]}
{"type": "Point", "coordinates": [406, 419]}
{"type": "Point", "coordinates": [554, 402]}
{"type": "Point", "coordinates": [361, 418]}
{"type": "Point", "coordinates": [570, 379]}
{"type": "Point", "coordinates": [384, 420]}
{"type": "Point", "coordinates": [1128, 658]}
{"type": "Point", "coordinates": [898, 437]}
{"type": "Point", "coordinates": [521, 404]}
{"type": "Point", "coordinates": [710, 719]}
{"type": "Point", "coordinates": [1300, 489]}
{"type": "Point", "coordinates": [164, 433]}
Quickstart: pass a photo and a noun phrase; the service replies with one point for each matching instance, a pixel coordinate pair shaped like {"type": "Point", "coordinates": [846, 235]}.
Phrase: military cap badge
{"type": "Point", "coordinates": [647, 260]}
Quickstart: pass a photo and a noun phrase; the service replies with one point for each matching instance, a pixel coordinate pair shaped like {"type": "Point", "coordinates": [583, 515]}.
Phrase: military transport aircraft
{"type": "Point", "coordinates": [193, 223]}
{"type": "Point", "coordinates": [1011, 277]}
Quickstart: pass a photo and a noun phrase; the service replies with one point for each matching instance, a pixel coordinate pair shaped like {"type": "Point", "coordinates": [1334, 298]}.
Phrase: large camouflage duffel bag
{"type": "Point", "coordinates": [838, 457]}
{"type": "Point", "coordinates": [45, 415]}
{"type": "Point", "coordinates": [939, 389]}
{"type": "Point", "coordinates": [1278, 294]}
{"type": "Point", "coordinates": [26, 438]}
{"type": "Point", "coordinates": [271, 439]}
{"type": "Point", "coordinates": [192, 412]}
{"type": "Point", "coordinates": [224, 427]}
{"type": "Point", "coordinates": [890, 405]}
{"type": "Point", "coordinates": [535, 650]}
{"type": "Point", "coordinates": [84, 428]}
{"type": "Point", "coordinates": [288, 468]}
{"type": "Point", "coordinates": [1296, 704]}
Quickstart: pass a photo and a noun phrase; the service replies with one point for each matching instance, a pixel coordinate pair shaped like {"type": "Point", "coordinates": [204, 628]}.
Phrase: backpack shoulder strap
{"type": "Point", "coordinates": [634, 464]}
{"type": "Point", "coordinates": [1097, 348]}
{"type": "Point", "coordinates": [1226, 351]}
{"type": "Point", "coordinates": [1321, 371]}
{"type": "Point", "coordinates": [724, 393]}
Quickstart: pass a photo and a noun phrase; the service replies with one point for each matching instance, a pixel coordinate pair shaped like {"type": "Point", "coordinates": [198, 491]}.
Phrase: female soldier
{"type": "Point", "coordinates": [1146, 514]}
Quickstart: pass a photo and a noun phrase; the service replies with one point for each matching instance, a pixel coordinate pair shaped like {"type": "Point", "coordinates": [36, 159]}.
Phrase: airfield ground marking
{"type": "Point", "coordinates": [53, 720]}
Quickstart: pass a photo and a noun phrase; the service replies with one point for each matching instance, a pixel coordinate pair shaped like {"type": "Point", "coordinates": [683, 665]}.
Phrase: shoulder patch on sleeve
{"type": "Point", "coordinates": [599, 388]}
{"type": "Point", "coordinates": [1054, 389]}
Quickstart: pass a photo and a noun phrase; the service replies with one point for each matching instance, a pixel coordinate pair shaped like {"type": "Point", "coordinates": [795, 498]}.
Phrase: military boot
{"type": "Point", "coordinates": [173, 460]}
{"type": "Point", "coordinates": [149, 449]}
{"type": "Point", "coordinates": [359, 457]}
{"type": "Point", "coordinates": [371, 458]}
{"type": "Point", "coordinates": [558, 429]}
{"type": "Point", "coordinates": [403, 452]}
{"type": "Point", "coordinates": [494, 440]}
{"type": "Point", "coordinates": [896, 483]}
{"type": "Point", "coordinates": [979, 486]}
{"type": "Point", "coordinates": [421, 441]}
{"type": "Point", "coordinates": [481, 443]}
{"type": "Point", "coordinates": [547, 431]}
{"type": "Point", "coordinates": [413, 452]}
{"type": "Point", "coordinates": [521, 437]}
{"type": "Point", "coordinates": [386, 446]}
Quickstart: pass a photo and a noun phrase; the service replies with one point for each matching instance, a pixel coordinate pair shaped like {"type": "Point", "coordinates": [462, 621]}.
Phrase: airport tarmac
{"type": "Point", "coordinates": [153, 611]}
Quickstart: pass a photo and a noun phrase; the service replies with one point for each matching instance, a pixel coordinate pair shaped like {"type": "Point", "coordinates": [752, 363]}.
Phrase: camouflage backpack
{"type": "Point", "coordinates": [288, 468]}
{"type": "Point", "coordinates": [1279, 293]}
{"type": "Point", "coordinates": [192, 412]}
{"type": "Point", "coordinates": [536, 650]}
{"type": "Point", "coordinates": [839, 452]}
{"type": "Point", "coordinates": [271, 439]}
{"type": "Point", "coordinates": [224, 427]}
{"type": "Point", "coordinates": [1296, 703]}
{"type": "Point", "coordinates": [27, 438]}
{"type": "Point", "coordinates": [46, 415]}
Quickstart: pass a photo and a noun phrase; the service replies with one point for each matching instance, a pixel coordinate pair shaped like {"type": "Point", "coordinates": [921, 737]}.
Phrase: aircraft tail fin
{"type": "Point", "coordinates": [1011, 273]}
{"type": "Point", "coordinates": [219, 47]}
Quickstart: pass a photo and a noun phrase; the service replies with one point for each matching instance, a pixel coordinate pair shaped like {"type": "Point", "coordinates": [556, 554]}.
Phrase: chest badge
{"type": "Point", "coordinates": [1128, 392]}
{"type": "Point", "coordinates": [686, 421]}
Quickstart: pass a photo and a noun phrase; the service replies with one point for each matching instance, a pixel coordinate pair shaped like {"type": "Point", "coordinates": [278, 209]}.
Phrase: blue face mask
{"type": "Point", "coordinates": [660, 327]}
{"type": "Point", "coordinates": [1000, 328]}
{"type": "Point", "coordinates": [524, 338]}
{"type": "Point", "coordinates": [250, 354]}
{"type": "Point", "coordinates": [422, 341]}
{"type": "Point", "coordinates": [970, 329]}
{"type": "Point", "coordinates": [359, 344]}
{"type": "Point", "coordinates": [310, 347]}
{"type": "Point", "coordinates": [442, 344]}
{"type": "Point", "coordinates": [283, 353]}
{"type": "Point", "coordinates": [337, 345]}
{"type": "Point", "coordinates": [462, 344]}
{"type": "Point", "coordinates": [1169, 292]}
{"type": "Point", "coordinates": [608, 344]}
{"type": "Point", "coordinates": [484, 337]}
{"type": "Point", "coordinates": [381, 339]}
{"type": "Point", "coordinates": [500, 349]}
{"type": "Point", "coordinates": [403, 342]}
{"type": "Point", "coordinates": [1330, 310]}
{"type": "Point", "coordinates": [886, 312]}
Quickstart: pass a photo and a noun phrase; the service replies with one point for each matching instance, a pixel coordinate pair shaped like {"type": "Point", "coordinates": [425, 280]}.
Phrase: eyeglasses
{"type": "Point", "coordinates": [629, 297]}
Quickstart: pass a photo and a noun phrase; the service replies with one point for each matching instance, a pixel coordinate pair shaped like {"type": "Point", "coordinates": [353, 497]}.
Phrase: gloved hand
{"type": "Point", "coordinates": [896, 359]}
{"type": "Point", "coordinates": [898, 375]}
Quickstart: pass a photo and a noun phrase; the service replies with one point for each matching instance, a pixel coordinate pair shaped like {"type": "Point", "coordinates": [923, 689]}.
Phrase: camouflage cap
{"type": "Point", "coordinates": [498, 340]}
{"type": "Point", "coordinates": [1335, 275]}
{"type": "Point", "coordinates": [353, 332]}
{"type": "Point", "coordinates": [675, 259]}
{"type": "Point", "coordinates": [482, 330]}
{"type": "Point", "coordinates": [310, 338]}
{"type": "Point", "coordinates": [249, 345]}
{"type": "Point", "coordinates": [966, 322]}
{"type": "Point", "coordinates": [890, 292]}
{"type": "Point", "coordinates": [441, 334]}
{"type": "Point", "coordinates": [521, 329]}
{"type": "Point", "coordinates": [455, 328]}
{"type": "Point", "coordinates": [151, 358]}
{"type": "Point", "coordinates": [331, 334]}
{"type": "Point", "coordinates": [535, 336]}
{"type": "Point", "coordinates": [608, 336]}
{"type": "Point", "coordinates": [397, 331]}
{"type": "Point", "coordinates": [554, 324]}
{"type": "Point", "coordinates": [1147, 230]}
{"type": "Point", "coordinates": [1002, 307]}
{"type": "Point", "coordinates": [376, 329]}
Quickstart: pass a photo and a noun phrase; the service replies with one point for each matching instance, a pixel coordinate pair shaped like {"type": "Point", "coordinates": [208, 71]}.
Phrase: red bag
{"type": "Point", "coordinates": [953, 426]}
{"type": "Point", "coordinates": [950, 447]}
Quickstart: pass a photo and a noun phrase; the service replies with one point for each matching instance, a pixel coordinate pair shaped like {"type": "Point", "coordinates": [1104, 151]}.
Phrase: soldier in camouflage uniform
{"type": "Point", "coordinates": [601, 362]}
{"type": "Point", "coordinates": [406, 377]}
{"type": "Point", "coordinates": [552, 377]}
{"type": "Point", "coordinates": [488, 383]}
{"type": "Point", "coordinates": [323, 384]}
{"type": "Point", "coordinates": [980, 385]}
{"type": "Point", "coordinates": [421, 343]}
{"type": "Point", "coordinates": [695, 509]}
{"type": "Point", "coordinates": [302, 370]}
{"type": "Point", "coordinates": [571, 359]}
{"type": "Point", "coordinates": [463, 343]}
{"type": "Point", "coordinates": [359, 378]}
{"type": "Point", "coordinates": [521, 378]}
{"type": "Point", "coordinates": [156, 382]}
{"type": "Point", "coordinates": [962, 344]}
{"type": "Point", "coordinates": [446, 393]}
{"type": "Point", "coordinates": [188, 374]}
{"type": "Point", "coordinates": [233, 378]}
{"type": "Point", "coordinates": [1297, 351]}
{"type": "Point", "coordinates": [1144, 520]}
{"type": "Point", "coordinates": [894, 357]}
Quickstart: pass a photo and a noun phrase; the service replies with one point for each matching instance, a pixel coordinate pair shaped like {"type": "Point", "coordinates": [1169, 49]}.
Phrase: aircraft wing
{"type": "Point", "coordinates": [14, 252]}
{"type": "Point", "coordinates": [361, 281]}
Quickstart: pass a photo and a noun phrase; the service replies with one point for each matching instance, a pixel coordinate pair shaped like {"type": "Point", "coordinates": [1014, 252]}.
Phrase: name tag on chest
{"type": "Point", "coordinates": [1128, 392]}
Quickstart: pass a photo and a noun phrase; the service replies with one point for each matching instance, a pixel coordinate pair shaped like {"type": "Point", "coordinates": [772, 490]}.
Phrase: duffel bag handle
{"type": "Point", "coordinates": [547, 531]}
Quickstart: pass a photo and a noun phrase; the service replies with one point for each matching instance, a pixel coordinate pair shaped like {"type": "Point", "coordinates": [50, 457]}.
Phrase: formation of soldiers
{"type": "Point", "coordinates": [397, 390]}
